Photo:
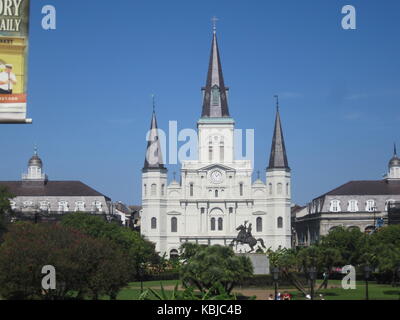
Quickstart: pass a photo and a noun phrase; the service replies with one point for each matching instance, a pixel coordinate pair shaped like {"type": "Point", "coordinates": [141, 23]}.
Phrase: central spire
{"type": "Point", "coordinates": [215, 103]}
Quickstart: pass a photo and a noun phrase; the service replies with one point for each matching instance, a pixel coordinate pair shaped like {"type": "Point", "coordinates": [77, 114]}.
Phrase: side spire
{"type": "Point", "coordinates": [154, 159]}
{"type": "Point", "coordinates": [215, 104]}
{"type": "Point", "coordinates": [395, 149]}
{"type": "Point", "coordinates": [278, 158]}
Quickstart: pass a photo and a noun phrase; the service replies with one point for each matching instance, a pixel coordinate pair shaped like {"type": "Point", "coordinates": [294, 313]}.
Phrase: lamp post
{"type": "Point", "coordinates": [312, 272]}
{"type": "Point", "coordinates": [367, 275]}
{"type": "Point", "coordinates": [275, 274]}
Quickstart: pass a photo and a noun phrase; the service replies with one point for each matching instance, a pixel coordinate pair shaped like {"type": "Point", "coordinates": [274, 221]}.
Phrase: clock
{"type": "Point", "coordinates": [216, 177]}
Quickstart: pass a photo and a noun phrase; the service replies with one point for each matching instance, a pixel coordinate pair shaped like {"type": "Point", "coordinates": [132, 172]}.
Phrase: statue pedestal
{"type": "Point", "coordinates": [260, 262]}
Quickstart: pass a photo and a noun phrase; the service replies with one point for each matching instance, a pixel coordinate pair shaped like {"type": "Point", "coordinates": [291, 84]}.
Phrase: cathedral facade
{"type": "Point", "coordinates": [216, 196]}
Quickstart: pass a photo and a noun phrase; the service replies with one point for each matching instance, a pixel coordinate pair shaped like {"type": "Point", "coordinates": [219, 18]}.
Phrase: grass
{"type": "Point", "coordinates": [335, 292]}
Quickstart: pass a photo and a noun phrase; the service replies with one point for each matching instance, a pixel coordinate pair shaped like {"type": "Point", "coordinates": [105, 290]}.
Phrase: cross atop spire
{"type": "Point", "coordinates": [277, 102]}
{"type": "Point", "coordinates": [214, 22]}
{"type": "Point", "coordinates": [215, 104]}
{"type": "Point", "coordinates": [278, 158]}
{"type": "Point", "coordinates": [153, 97]}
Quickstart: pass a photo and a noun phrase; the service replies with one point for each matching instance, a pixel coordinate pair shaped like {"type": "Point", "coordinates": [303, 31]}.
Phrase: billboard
{"type": "Point", "coordinates": [14, 40]}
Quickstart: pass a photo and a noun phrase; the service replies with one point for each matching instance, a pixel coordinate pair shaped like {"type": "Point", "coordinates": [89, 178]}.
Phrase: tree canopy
{"type": "Point", "coordinates": [213, 267]}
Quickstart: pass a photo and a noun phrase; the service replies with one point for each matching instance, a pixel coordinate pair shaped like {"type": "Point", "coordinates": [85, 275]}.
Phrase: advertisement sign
{"type": "Point", "coordinates": [14, 40]}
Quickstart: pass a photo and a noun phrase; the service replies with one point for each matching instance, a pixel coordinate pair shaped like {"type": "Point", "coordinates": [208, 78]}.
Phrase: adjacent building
{"type": "Point", "coordinates": [216, 193]}
{"type": "Point", "coordinates": [357, 204]}
{"type": "Point", "coordinates": [37, 197]}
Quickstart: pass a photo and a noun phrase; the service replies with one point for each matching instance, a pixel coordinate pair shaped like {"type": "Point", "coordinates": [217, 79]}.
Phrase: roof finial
{"type": "Point", "coordinates": [35, 150]}
{"type": "Point", "coordinates": [277, 102]}
{"type": "Point", "coordinates": [214, 21]}
{"type": "Point", "coordinates": [154, 102]}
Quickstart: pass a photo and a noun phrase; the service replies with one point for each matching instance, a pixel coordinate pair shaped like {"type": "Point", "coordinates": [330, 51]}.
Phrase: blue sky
{"type": "Point", "coordinates": [91, 80]}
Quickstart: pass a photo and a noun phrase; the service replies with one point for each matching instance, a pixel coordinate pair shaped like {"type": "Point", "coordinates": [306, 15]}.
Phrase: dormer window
{"type": "Point", "coordinates": [335, 206]}
{"type": "Point", "coordinates": [63, 206]}
{"type": "Point", "coordinates": [370, 206]}
{"type": "Point", "coordinates": [79, 206]}
{"type": "Point", "coordinates": [353, 206]}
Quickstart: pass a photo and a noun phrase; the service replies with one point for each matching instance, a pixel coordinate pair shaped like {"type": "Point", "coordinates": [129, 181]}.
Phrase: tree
{"type": "Point", "coordinates": [214, 267]}
{"type": "Point", "coordinates": [141, 252]}
{"type": "Point", "coordinates": [351, 243]}
{"type": "Point", "coordinates": [82, 263]}
{"type": "Point", "coordinates": [5, 207]}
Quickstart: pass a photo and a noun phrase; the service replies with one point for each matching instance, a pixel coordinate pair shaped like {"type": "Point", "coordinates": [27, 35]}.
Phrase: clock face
{"type": "Point", "coordinates": [216, 177]}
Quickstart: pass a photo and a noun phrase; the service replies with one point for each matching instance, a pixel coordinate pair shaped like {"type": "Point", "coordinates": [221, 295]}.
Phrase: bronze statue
{"type": "Point", "coordinates": [245, 237]}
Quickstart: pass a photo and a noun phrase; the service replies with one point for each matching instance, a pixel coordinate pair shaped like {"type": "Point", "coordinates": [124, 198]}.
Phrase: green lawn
{"type": "Point", "coordinates": [376, 292]}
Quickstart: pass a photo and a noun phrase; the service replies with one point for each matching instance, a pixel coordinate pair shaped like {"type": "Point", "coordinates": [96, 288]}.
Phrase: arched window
{"type": "Point", "coordinates": [370, 206]}
{"type": "Point", "coordinates": [145, 190]}
{"type": "Point", "coordinates": [191, 189]}
{"type": "Point", "coordinates": [174, 254]}
{"type": "Point", "coordinates": [79, 206]}
{"type": "Point", "coordinates": [280, 188]}
{"type": "Point", "coordinates": [280, 223]}
{"type": "Point", "coordinates": [212, 224]}
{"type": "Point", "coordinates": [153, 223]}
{"type": "Point", "coordinates": [222, 151]}
{"type": "Point", "coordinates": [259, 224]}
{"type": "Point", "coordinates": [210, 150]}
{"type": "Point", "coordinates": [163, 190]}
{"type": "Point", "coordinates": [230, 210]}
{"type": "Point", "coordinates": [216, 193]}
{"type": "Point", "coordinates": [174, 225]}
{"type": "Point", "coordinates": [335, 206]}
{"type": "Point", "coordinates": [202, 210]}
{"type": "Point", "coordinates": [153, 190]}
{"type": "Point", "coordinates": [241, 189]}
{"type": "Point", "coordinates": [220, 224]}
{"type": "Point", "coordinates": [287, 189]}
{"type": "Point", "coordinates": [353, 206]}
{"type": "Point", "coordinates": [63, 206]}
{"type": "Point", "coordinates": [271, 189]}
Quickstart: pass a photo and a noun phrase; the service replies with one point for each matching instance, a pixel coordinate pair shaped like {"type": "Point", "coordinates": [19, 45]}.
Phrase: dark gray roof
{"type": "Point", "coordinates": [376, 187]}
{"type": "Point", "coordinates": [51, 189]}
{"type": "Point", "coordinates": [35, 161]}
{"type": "Point", "coordinates": [153, 159]}
{"type": "Point", "coordinates": [122, 207]}
{"type": "Point", "coordinates": [278, 158]}
{"type": "Point", "coordinates": [215, 82]}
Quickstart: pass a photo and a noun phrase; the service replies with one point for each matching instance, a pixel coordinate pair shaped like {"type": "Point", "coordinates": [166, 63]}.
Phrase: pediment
{"type": "Point", "coordinates": [217, 166]}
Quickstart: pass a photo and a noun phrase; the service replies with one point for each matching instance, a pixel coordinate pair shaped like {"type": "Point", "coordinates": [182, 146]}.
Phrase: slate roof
{"type": "Point", "coordinates": [51, 189]}
{"type": "Point", "coordinates": [215, 80]}
{"type": "Point", "coordinates": [376, 187]}
{"type": "Point", "coordinates": [278, 158]}
{"type": "Point", "coordinates": [153, 159]}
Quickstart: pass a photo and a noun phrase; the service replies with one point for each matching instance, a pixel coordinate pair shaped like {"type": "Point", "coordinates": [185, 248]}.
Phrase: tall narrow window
{"type": "Point", "coordinates": [287, 189]}
{"type": "Point", "coordinates": [259, 224]}
{"type": "Point", "coordinates": [241, 189]}
{"type": "Point", "coordinates": [280, 223]}
{"type": "Point", "coordinates": [220, 224]}
{"type": "Point", "coordinates": [215, 96]}
{"type": "Point", "coordinates": [230, 210]}
{"type": "Point", "coordinates": [216, 193]}
{"type": "Point", "coordinates": [174, 225]}
{"type": "Point", "coordinates": [280, 187]}
{"type": "Point", "coordinates": [210, 153]}
{"type": "Point", "coordinates": [153, 223]}
{"type": "Point", "coordinates": [222, 151]}
{"type": "Point", "coordinates": [191, 189]}
{"type": "Point", "coordinates": [145, 190]}
{"type": "Point", "coordinates": [212, 224]}
{"type": "Point", "coordinates": [153, 190]}
{"type": "Point", "coordinates": [163, 190]}
{"type": "Point", "coordinates": [202, 210]}
{"type": "Point", "coordinates": [270, 189]}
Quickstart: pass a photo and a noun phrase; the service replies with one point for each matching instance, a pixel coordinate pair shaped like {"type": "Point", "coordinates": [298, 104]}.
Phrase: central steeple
{"type": "Point", "coordinates": [215, 103]}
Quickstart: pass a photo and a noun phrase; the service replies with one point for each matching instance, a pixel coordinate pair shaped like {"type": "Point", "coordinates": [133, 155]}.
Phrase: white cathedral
{"type": "Point", "coordinates": [216, 194]}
